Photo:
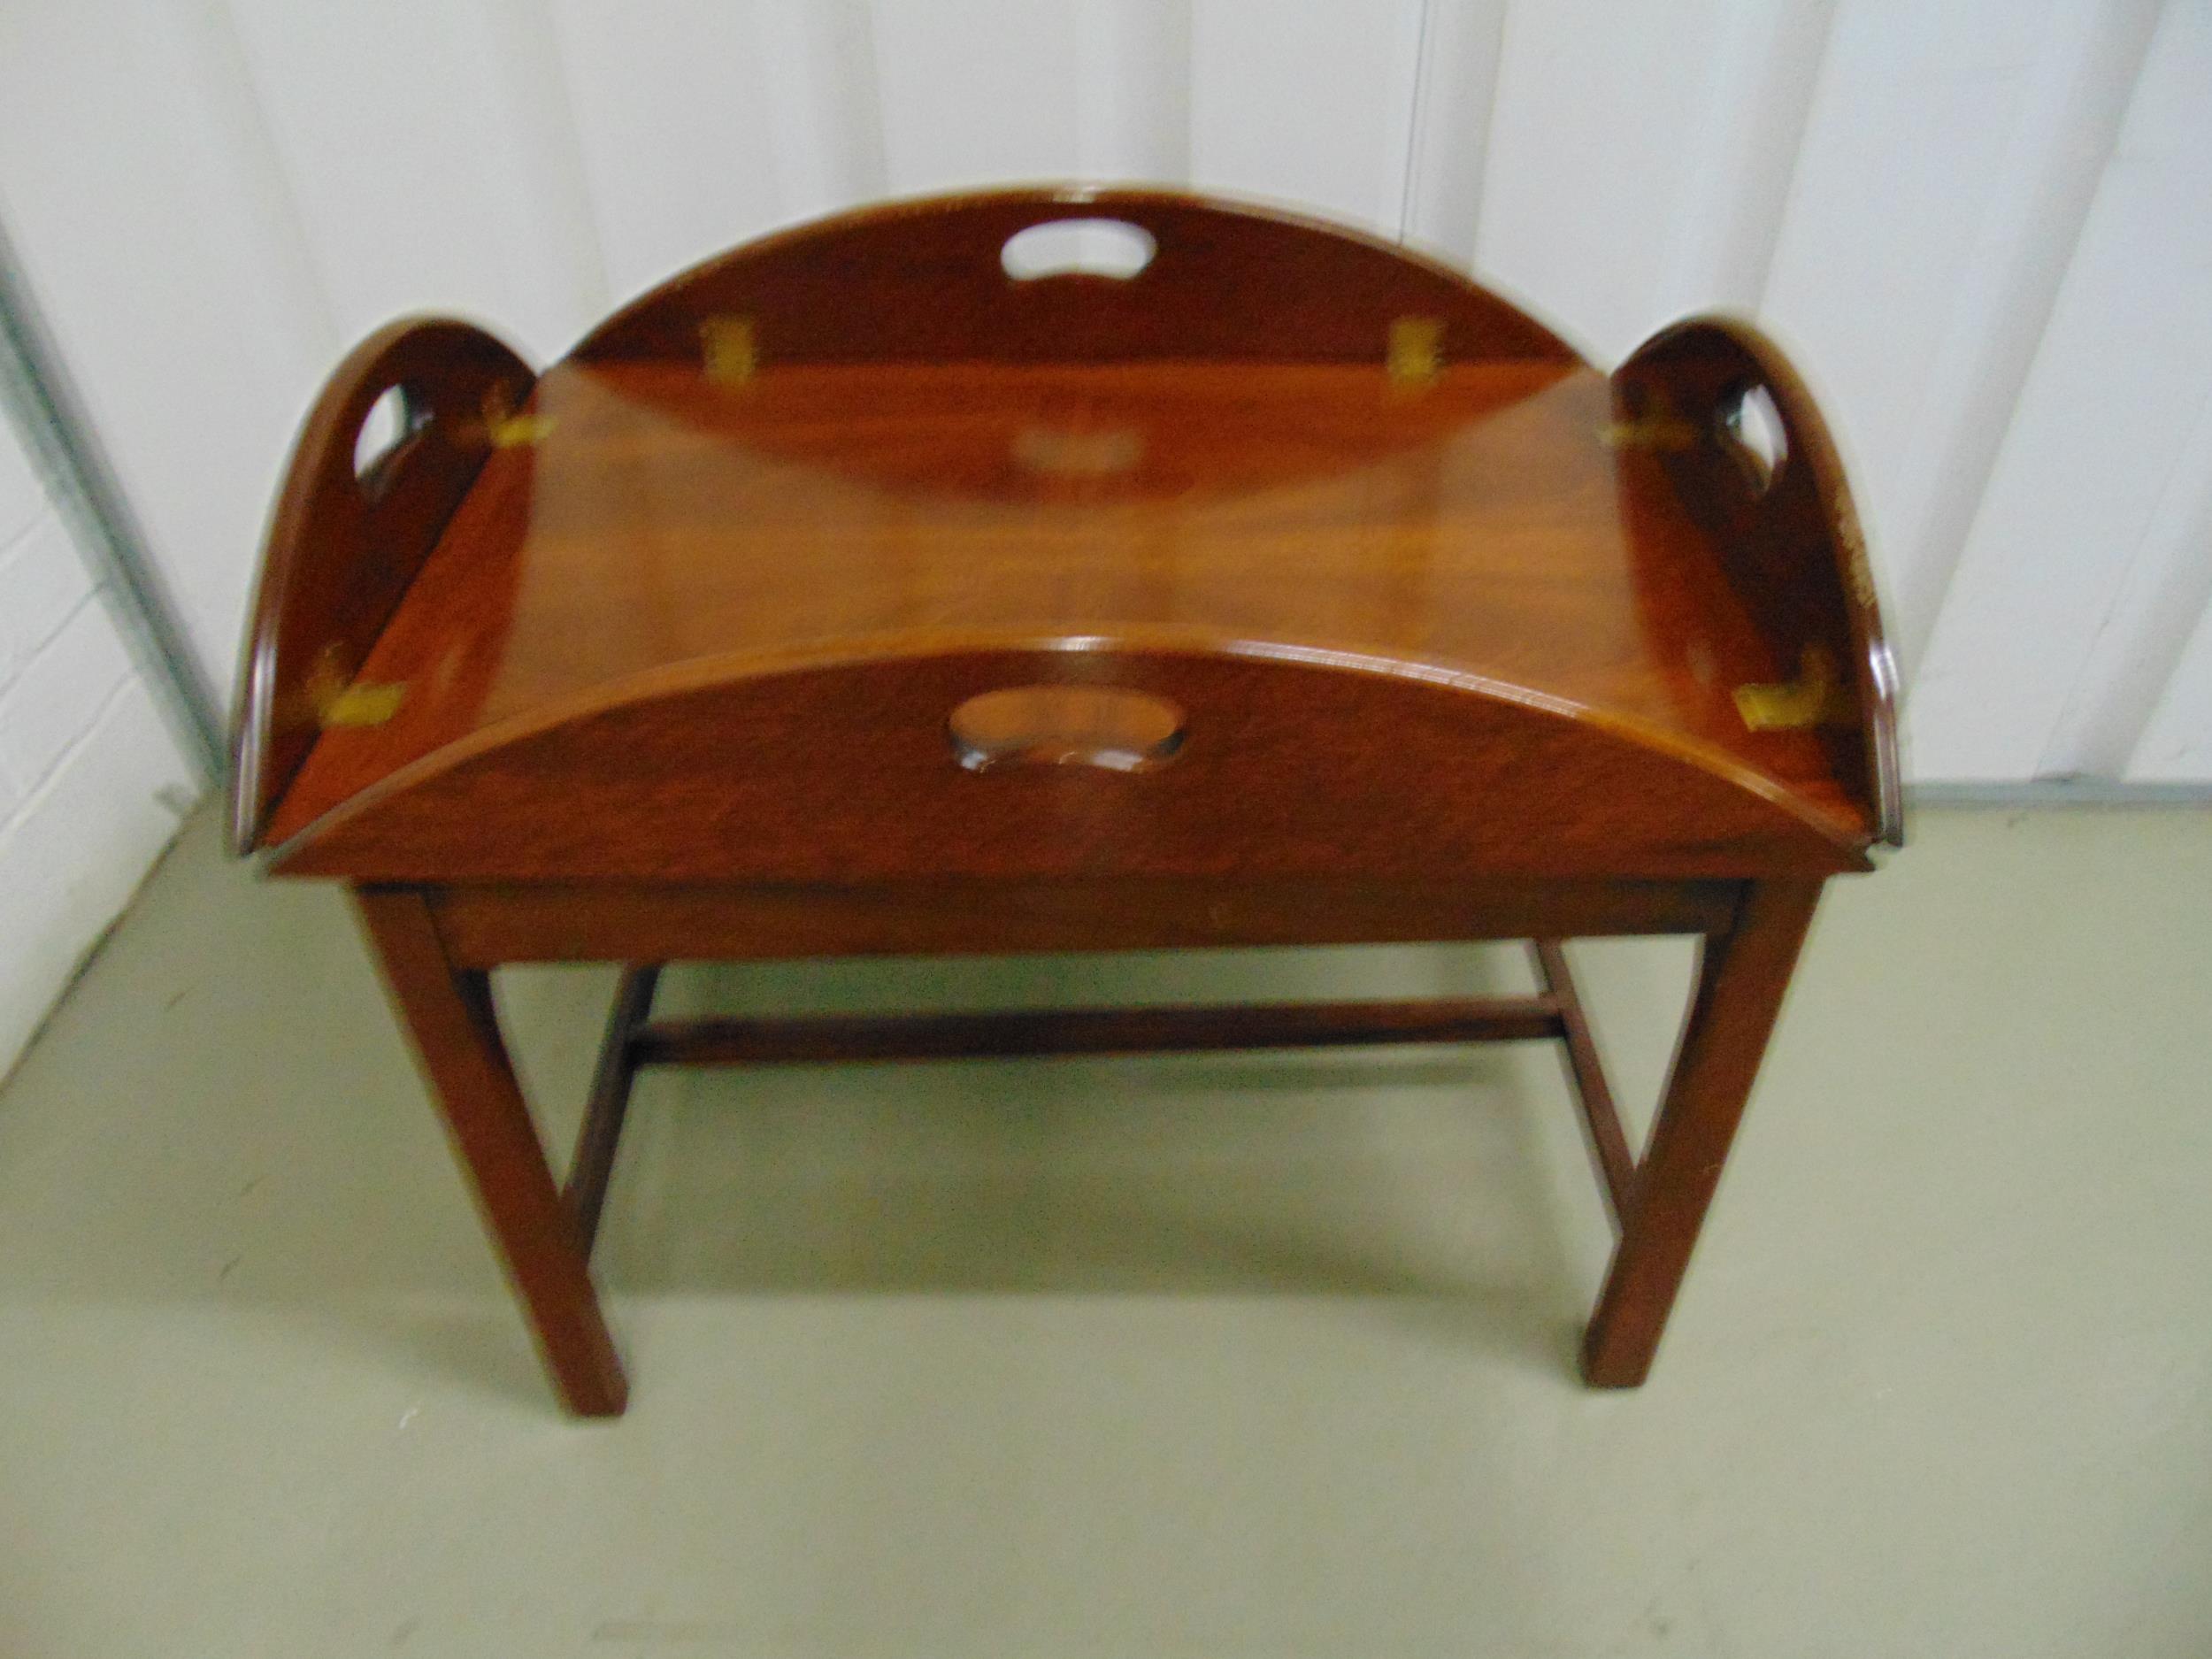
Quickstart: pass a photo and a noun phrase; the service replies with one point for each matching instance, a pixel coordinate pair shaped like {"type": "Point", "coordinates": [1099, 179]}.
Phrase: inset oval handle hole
{"type": "Point", "coordinates": [391, 419]}
{"type": "Point", "coordinates": [1066, 725]}
{"type": "Point", "coordinates": [1750, 428]}
{"type": "Point", "coordinates": [1078, 247]}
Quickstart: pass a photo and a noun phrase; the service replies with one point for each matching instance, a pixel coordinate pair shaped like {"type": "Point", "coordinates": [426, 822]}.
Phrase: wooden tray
{"type": "Point", "coordinates": [852, 593]}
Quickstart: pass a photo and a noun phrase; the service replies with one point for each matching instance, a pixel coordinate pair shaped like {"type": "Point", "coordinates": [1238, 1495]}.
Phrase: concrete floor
{"type": "Point", "coordinates": [1203, 1356]}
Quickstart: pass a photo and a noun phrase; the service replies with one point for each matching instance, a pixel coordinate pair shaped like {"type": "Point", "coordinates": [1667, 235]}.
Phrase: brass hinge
{"type": "Point", "coordinates": [508, 430]}
{"type": "Point", "coordinates": [1816, 697]}
{"type": "Point", "coordinates": [728, 349]}
{"type": "Point", "coordinates": [1416, 350]}
{"type": "Point", "coordinates": [331, 699]}
{"type": "Point", "coordinates": [1657, 427]}
{"type": "Point", "coordinates": [518, 431]}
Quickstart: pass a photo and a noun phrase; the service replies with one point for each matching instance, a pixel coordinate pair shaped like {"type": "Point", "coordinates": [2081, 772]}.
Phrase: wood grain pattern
{"type": "Point", "coordinates": [849, 775]}
{"type": "Point", "coordinates": [1372, 614]}
{"type": "Point", "coordinates": [678, 525]}
{"type": "Point", "coordinates": [1036, 1032]}
{"type": "Point", "coordinates": [920, 280]}
{"type": "Point", "coordinates": [484, 925]}
{"type": "Point", "coordinates": [1481, 531]}
{"type": "Point", "coordinates": [584, 1192]}
{"type": "Point", "coordinates": [1613, 1163]}
{"type": "Point", "coordinates": [1742, 976]}
{"type": "Point", "coordinates": [449, 1013]}
{"type": "Point", "coordinates": [342, 550]}
{"type": "Point", "coordinates": [1770, 535]}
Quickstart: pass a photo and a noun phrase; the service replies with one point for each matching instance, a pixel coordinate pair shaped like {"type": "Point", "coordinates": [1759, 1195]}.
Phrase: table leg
{"type": "Point", "coordinates": [1742, 974]}
{"type": "Point", "coordinates": [449, 1013]}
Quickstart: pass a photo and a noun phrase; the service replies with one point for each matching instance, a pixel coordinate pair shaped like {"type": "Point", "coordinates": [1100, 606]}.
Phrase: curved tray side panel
{"type": "Point", "coordinates": [924, 279]}
{"type": "Point", "coordinates": [1753, 463]}
{"type": "Point", "coordinates": [344, 544]}
{"type": "Point", "coordinates": [873, 770]}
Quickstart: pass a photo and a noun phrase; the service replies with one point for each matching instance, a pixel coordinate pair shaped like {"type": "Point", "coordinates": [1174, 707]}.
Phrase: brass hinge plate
{"type": "Point", "coordinates": [729, 349]}
{"type": "Point", "coordinates": [1654, 426]}
{"type": "Point", "coordinates": [506, 429]}
{"type": "Point", "coordinates": [361, 704]}
{"type": "Point", "coordinates": [1816, 697]}
{"type": "Point", "coordinates": [1415, 354]}
{"type": "Point", "coordinates": [333, 699]}
{"type": "Point", "coordinates": [518, 431]}
{"type": "Point", "coordinates": [1659, 429]}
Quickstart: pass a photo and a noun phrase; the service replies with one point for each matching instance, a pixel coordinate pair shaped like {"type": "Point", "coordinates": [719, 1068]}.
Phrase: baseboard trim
{"type": "Point", "coordinates": [2045, 792]}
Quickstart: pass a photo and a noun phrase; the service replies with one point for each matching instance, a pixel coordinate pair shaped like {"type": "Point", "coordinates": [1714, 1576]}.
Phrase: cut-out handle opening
{"type": "Point", "coordinates": [395, 417]}
{"type": "Point", "coordinates": [1111, 247]}
{"type": "Point", "coordinates": [1104, 726]}
{"type": "Point", "coordinates": [1749, 426]}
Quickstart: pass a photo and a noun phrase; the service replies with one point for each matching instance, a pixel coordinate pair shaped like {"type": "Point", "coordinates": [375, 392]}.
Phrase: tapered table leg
{"type": "Point", "coordinates": [449, 1014]}
{"type": "Point", "coordinates": [1742, 974]}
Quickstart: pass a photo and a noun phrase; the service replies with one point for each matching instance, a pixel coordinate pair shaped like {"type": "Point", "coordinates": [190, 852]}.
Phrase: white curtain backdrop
{"type": "Point", "coordinates": [1983, 228]}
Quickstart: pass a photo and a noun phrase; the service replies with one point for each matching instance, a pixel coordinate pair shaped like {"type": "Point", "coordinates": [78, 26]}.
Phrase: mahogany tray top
{"type": "Point", "coordinates": [1310, 514]}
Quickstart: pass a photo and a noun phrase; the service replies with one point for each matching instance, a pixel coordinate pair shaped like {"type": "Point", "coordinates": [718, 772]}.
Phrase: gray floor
{"type": "Point", "coordinates": [1228, 1356]}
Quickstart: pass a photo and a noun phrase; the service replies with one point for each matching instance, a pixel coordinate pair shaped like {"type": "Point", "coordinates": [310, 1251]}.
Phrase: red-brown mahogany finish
{"type": "Point", "coordinates": [449, 1013]}
{"type": "Point", "coordinates": [344, 544]}
{"type": "Point", "coordinates": [1765, 518]}
{"type": "Point", "coordinates": [859, 592]}
{"type": "Point", "coordinates": [923, 281]}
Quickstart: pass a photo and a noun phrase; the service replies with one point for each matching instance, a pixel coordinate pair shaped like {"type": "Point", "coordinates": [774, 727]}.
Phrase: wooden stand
{"type": "Point", "coordinates": [546, 1230]}
{"type": "Point", "coordinates": [851, 596]}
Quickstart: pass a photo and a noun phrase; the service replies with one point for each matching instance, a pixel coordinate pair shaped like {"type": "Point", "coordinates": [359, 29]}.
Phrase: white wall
{"type": "Point", "coordinates": [91, 784]}
{"type": "Point", "coordinates": [1982, 226]}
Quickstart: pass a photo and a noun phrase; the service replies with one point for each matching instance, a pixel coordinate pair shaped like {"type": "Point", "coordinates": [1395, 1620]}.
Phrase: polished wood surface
{"type": "Point", "coordinates": [922, 280]}
{"type": "Point", "coordinates": [585, 1192]}
{"type": "Point", "coordinates": [1156, 474]}
{"type": "Point", "coordinates": [449, 1013]}
{"type": "Point", "coordinates": [821, 1038]}
{"type": "Point", "coordinates": [850, 775]}
{"type": "Point", "coordinates": [1481, 536]}
{"type": "Point", "coordinates": [1742, 976]}
{"type": "Point", "coordinates": [343, 545]}
{"type": "Point", "coordinates": [1763, 521]}
{"type": "Point", "coordinates": [485, 926]}
{"type": "Point", "coordinates": [865, 592]}
{"type": "Point", "coordinates": [1610, 1159]}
